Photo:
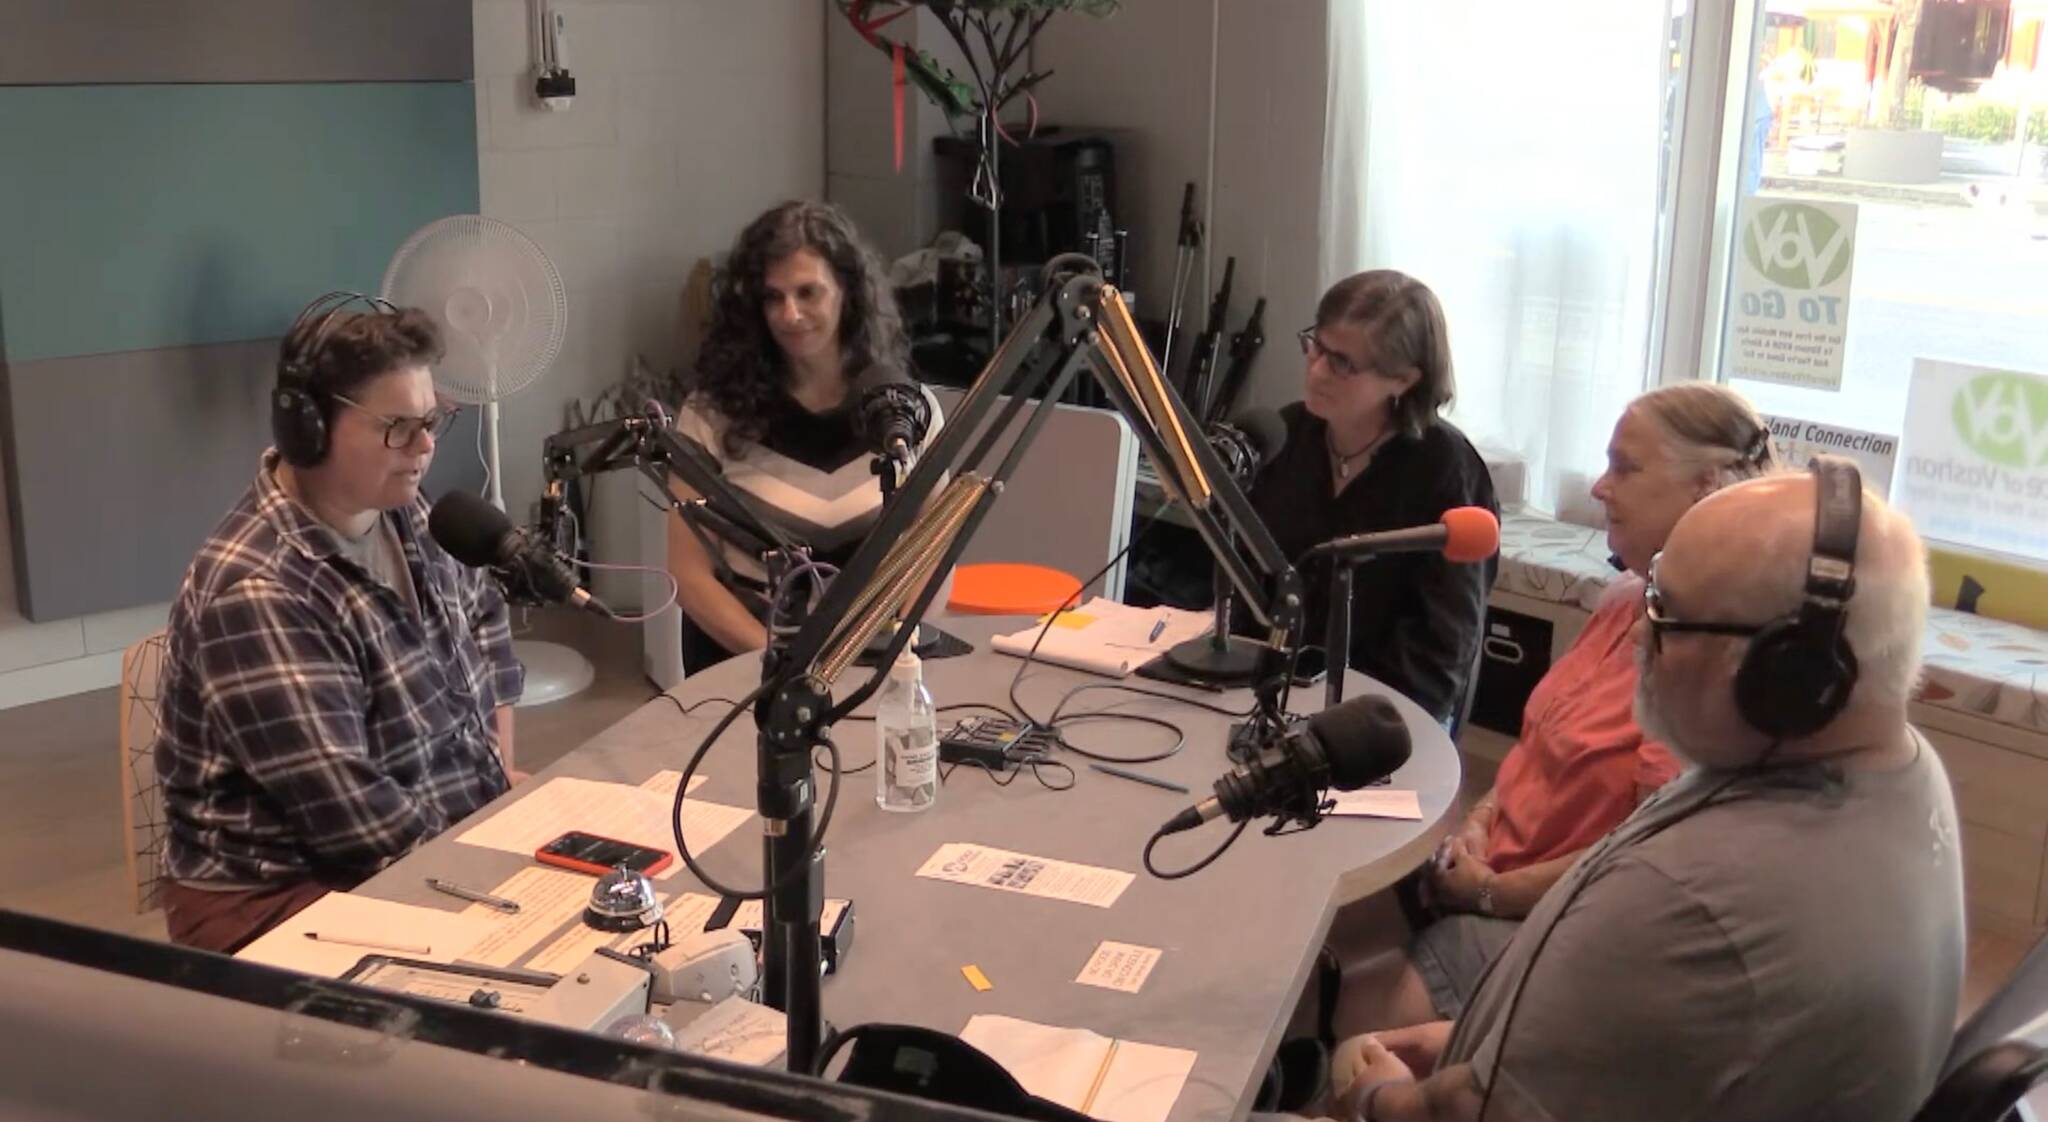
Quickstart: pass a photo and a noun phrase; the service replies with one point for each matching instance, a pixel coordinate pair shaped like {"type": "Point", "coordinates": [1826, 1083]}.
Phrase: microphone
{"type": "Point", "coordinates": [894, 414]}
{"type": "Point", "coordinates": [1248, 442]}
{"type": "Point", "coordinates": [1465, 534]}
{"type": "Point", "coordinates": [1344, 747]}
{"type": "Point", "coordinates": [479, 535]}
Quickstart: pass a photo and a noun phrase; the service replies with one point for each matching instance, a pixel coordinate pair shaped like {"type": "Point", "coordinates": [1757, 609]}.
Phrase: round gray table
{"type": "Point", "coordinates": [1238, 939]}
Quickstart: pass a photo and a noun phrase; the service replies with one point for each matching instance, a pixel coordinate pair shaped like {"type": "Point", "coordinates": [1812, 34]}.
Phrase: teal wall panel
{"type": "Point", "coordinates": [149, 216]}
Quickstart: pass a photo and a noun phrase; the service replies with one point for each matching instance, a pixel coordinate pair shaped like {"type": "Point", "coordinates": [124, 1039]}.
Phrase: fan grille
{"type": "Point", "coordinates": [497, 299]}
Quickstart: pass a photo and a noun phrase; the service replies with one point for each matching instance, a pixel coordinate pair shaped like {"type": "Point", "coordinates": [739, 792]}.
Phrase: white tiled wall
{"type": "Point", "coordinates": [691, 116]}
{"type": "Point", "coordinates": [896, 208]}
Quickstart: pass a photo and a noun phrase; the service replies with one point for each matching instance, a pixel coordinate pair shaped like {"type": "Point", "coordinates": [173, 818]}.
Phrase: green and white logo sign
{"type": "Point", "coordinates": [2004, 418]}
{"type": "Point", "coordinates": [1789, 308]}
{"type": "Point", "coordinates": [1975, 457]}
{"type": "Point", "coordinates": [1796, 245]}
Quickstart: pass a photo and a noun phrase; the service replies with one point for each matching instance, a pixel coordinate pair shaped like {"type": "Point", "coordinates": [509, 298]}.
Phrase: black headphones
{"type": "Point", "coordinates": [1798, 671]}
{"type": "Point", "coordinates": [298, 410]}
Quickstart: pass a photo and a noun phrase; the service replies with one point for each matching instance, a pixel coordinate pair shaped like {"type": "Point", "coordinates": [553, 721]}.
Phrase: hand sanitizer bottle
{"type": "Point", "coordinates": [907, 740]}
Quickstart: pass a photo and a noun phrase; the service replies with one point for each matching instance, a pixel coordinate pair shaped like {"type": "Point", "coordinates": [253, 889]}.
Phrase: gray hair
{"type": "Point", "coordinates": [1888, 610]}
{"type": "Point", "coordinates": [1712, 426]}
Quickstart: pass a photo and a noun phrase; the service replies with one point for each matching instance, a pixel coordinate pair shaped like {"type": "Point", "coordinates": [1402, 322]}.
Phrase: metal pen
{"type": "Point", "coordinates": [1138, 777]}
{"type": "Point", "coordinates": [509, 907]}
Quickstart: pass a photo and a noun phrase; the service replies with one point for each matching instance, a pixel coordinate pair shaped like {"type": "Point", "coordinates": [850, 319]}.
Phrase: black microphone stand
{"type": "Point", "coordinates": [1219, 656]}
{"type": "Point", "coordinates": [1337, 630]}
{"type": "Point", "coordinates": [1086, 325]}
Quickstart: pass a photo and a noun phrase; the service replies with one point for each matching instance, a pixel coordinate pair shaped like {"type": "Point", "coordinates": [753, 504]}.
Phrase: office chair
{"type": "Point", "coordinates": [1992, 1065]}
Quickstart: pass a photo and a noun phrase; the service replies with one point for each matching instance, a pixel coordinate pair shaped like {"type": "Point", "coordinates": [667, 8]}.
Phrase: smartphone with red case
{"type": "Point", "coordinates": [596, 855]}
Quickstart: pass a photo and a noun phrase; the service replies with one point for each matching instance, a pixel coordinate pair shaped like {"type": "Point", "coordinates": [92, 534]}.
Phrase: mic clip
{"type": "Point", "coordinates": [892, 469]}
{"type": "Point", "coordinates": [1302, 814]}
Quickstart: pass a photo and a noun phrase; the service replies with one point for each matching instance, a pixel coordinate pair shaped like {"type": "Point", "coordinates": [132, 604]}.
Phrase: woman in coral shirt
{"type": "Point", "coordinates": [1581, 764]}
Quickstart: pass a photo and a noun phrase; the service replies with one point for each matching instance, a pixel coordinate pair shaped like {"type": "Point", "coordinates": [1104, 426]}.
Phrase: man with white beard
{"type": "Point", "coordinates": [1778, 933]}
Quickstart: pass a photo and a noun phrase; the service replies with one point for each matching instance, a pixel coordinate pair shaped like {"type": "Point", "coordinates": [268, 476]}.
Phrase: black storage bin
{"type": "Point", "coordinates": [1513, 658]}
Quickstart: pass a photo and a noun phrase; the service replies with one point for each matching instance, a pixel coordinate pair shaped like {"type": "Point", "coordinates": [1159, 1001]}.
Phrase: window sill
{"type": "Point", "coordinates": [1983, 668]}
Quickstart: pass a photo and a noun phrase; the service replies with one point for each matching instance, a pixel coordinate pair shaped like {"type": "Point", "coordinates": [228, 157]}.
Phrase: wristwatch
{"type": "Point", "coordinates": [1486, 896]}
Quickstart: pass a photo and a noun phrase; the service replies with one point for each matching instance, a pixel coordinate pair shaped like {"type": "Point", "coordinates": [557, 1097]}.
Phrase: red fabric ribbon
{"type": "Point", "coordinates": [896, 81]}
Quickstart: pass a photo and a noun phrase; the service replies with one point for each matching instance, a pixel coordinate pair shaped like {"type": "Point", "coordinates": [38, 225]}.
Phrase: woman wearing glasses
{"type": "Point", "coordinates": [336, 689]}
{"type": "Point", "coordinates": [1581, 764]}
{"type": "Point", "coordinates": [1367, 449]}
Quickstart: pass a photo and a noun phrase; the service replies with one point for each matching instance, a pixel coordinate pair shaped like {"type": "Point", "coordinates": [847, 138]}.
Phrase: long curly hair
{"type": "Point", "coordinates": [740, 368]}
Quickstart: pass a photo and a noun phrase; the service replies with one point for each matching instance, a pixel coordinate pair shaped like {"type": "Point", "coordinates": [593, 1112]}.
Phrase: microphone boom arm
{"type": "Point", "coordinates": [647, 443]}
{"type": "Point", "coordinates": [1078, 323]}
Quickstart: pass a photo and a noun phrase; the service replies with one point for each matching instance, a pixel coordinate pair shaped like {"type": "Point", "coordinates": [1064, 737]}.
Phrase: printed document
{"type": "Point", "coordinates": [1002, 869]}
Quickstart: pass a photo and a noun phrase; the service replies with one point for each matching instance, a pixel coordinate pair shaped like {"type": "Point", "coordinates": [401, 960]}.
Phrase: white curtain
{"type": "Point", "coordinates": [1506, 153]}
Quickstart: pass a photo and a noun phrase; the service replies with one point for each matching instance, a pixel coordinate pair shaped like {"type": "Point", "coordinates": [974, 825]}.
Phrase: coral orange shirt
{"type": "Point", "coordinates": [1581, 761]}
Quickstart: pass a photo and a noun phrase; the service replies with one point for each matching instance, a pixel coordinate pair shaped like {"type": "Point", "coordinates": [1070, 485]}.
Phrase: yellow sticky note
{"type": "Point", "coordinates": [977, 979]}
{"type": "Point", "coordinates": [1073, 621]}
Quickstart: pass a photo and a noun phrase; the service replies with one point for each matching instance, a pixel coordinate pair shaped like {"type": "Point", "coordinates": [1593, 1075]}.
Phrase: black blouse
{"type": "Point", "coordinates": [1415, 617]}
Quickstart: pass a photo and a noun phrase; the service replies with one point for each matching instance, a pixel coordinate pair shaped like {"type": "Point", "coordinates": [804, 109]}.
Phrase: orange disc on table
{"type": "Point", "coordinates": [1010, 589]}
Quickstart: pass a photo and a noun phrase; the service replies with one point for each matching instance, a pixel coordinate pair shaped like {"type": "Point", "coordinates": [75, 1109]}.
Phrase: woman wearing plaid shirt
{"type": "Point", "coordinates": [337, 689]}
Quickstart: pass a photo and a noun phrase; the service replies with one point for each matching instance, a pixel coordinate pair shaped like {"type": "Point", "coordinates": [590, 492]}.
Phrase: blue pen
{"type": "Point", "coordinates": [1157, 630]}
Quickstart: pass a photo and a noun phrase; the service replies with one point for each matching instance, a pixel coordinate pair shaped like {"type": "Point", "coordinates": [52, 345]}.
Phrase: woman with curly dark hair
{"type": "Point", "coordinates": [802, 317]}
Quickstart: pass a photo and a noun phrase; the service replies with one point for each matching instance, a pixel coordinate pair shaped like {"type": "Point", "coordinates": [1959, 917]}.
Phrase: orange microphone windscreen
{"type": "Point", "coordinates": [1473, 534]}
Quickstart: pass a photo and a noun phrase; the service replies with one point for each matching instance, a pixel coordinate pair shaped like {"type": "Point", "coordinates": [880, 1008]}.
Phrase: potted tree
{"type": "Point", "coordinates": [994, 38]}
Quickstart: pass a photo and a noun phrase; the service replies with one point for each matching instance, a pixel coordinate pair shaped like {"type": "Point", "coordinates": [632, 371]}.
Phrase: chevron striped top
{"type": "Point", "coordinates": [809, 474]}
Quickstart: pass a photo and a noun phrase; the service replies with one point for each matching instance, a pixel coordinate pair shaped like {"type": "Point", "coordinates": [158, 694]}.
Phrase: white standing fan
{"type": "Point", "coordinates": [502, 311]}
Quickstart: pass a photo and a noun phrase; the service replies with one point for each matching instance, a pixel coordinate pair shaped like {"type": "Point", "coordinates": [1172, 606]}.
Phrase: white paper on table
{"type": "Point", "coordinates": [664, 782]}
{"type": "Point", "coordinates": [343, 915]}
{"type": "Point", "coordinates": [1120, 625]}
{"type": "Point", "coordinates": [1106, 637]}
{"type": "Point", "coordinates": [736, 1030]}
{"type": "Point", "coordinates": [547, 899]}
{"type": "Point", "coordinates": [1378, 802]}
{"type": "Point", "coordinates": [988, 867]}
{"type": "Point", "coordinates": [613, 810]}
{"type": "Point", "coordinates": [1115, 640]}
{"type": "Point", "coordinates": [689, 912]}
{"type": "Point", "coordinates": [1119, 966]}
{"type": "Point", "coordinates": [747, 917]}
{"type": "Point", "coordinates": [684, 911]}
{"type": "Point", "coordinates": [1139, 1082]}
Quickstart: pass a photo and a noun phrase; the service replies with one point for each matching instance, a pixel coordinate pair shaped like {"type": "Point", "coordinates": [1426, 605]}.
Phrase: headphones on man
{"type": "Point", "coordinates": [1799, 670]}
{"type": "Point", "coordinates": [299, 411]}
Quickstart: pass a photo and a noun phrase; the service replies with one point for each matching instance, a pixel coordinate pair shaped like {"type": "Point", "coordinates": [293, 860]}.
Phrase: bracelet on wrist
{"type": "Point", "coordinates": [1373, 1092]}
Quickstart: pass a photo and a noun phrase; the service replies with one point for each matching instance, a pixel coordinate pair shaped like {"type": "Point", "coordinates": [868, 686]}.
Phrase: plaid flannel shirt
{"type": "Point", "coordinates": [311, 726]}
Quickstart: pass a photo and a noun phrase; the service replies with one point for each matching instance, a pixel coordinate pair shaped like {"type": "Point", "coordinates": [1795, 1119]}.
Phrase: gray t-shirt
{"type": "Point", "coordinates": [1791, 951]}
{"type": "Point", "coordinates": [382, 555]}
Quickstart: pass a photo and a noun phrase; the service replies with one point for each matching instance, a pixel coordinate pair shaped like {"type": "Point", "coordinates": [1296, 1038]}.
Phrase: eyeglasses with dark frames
{"type": "Point", "coordinates": [1661, 620]}
{"type": "Point", "coordinates": [1340, 363]}
{"type": "Point", "coordinates": [401, 432]}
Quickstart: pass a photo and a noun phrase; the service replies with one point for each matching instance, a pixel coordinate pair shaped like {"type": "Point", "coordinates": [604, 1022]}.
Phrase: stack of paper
{"type": "Point", "coordinates": [349, 927]}
{"type": "Point", "coordinates": [1114, 1080]}
{"type": "Point", "coordinates": [1105, 637]}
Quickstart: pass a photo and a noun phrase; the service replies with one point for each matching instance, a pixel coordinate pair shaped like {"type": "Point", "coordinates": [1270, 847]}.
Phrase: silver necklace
{"type": "Point", "coordinates": [1341, 461]}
